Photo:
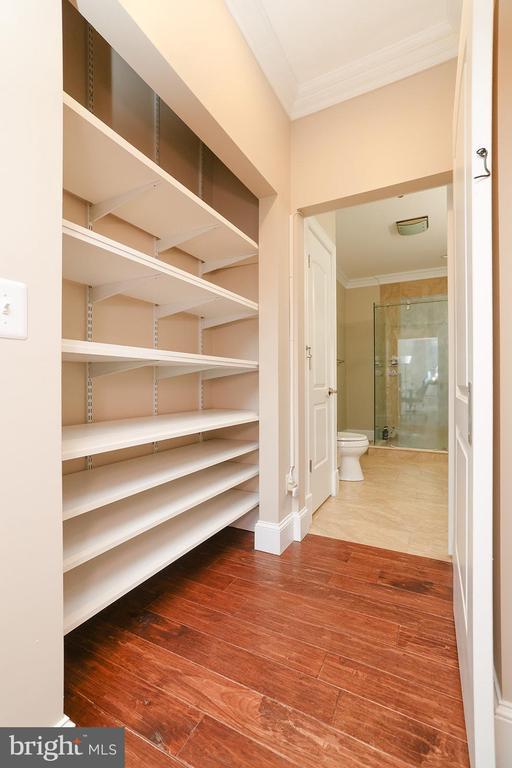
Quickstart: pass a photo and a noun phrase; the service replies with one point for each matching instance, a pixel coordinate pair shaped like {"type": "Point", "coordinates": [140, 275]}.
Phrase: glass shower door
{"type": "Point", "coordinates": [411, 374]}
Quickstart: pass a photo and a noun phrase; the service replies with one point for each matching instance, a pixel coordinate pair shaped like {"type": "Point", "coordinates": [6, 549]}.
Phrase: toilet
{"type": "Point", "coordinates": [351, 446]}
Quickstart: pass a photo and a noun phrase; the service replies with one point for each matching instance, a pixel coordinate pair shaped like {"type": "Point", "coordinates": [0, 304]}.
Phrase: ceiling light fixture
{"type": "Point", "coordinates": [412, 226]}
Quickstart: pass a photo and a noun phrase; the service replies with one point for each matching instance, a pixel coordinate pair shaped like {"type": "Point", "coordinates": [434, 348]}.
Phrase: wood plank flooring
{"type": "Point", "coordinates": [335, 655]}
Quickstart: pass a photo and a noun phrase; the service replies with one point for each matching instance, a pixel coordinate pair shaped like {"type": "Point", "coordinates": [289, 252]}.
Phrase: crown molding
{"type": "Point", "coordinates": [413, 54]}
{"type": "Point", "coordinates": [434, 45]}
{"type": "Point", "coordinates": [341, 276]}
{"type": "Point", "coordinates": [261, 37]}
{"type": "Point", "coordinates": [391, 277]}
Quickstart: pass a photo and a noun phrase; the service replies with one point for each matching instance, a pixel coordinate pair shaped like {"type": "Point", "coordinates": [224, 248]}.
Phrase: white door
{"type": "Point", "coordinates": [321, 354]}
{"type": "Point", "coordinates": [473, 378]}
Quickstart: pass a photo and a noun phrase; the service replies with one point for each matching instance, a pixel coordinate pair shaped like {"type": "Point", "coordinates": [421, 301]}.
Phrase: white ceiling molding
{"type": "Point", "coordinates": [393, 277]}
{"type": "Point", "coordinates": [433, 45]}
{"type": "Point", "coordinates": [264, 43]}
{"type": "Point", "coordinates": [416, 53]}
{"type": "Point", "coordinates": [341, 276]}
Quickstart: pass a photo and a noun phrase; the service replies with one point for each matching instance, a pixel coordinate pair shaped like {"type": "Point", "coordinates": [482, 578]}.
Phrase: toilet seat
{"type": "Point", "coordinates": [354, 438]}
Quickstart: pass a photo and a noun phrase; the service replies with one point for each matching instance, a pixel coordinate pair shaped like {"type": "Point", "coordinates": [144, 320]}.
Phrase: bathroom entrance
{"type": "Point", "coordinates": [392, 374]}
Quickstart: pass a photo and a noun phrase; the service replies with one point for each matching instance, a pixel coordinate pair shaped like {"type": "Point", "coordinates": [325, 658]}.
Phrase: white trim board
{"type": "Point", "coordinates": [302, 520]}
{"type": "Point", "coordinates": [427, 48]}
{"type": "Point", "coordinates": [391, 277]}
{"type": "Point", "coordinates": [65, 722]}
{"type": "Point", "coordinates": [274, 537]}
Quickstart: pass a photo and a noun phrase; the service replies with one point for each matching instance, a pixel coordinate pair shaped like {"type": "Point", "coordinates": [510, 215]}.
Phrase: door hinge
{"type": "Point", "coordinates": [311, 465]}
{"type": "Point", "coordinates": [309, 355]}
{"type": "Point", "coordinates": [309, 259]}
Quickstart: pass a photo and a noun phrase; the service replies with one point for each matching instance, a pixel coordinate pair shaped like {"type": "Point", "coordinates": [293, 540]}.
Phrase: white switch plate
{"type": "Point", "coordinates": [13, 309]}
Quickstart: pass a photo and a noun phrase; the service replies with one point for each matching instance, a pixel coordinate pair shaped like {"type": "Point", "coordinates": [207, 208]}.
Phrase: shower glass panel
{"type": "Point", "coordinates": [411, 374]}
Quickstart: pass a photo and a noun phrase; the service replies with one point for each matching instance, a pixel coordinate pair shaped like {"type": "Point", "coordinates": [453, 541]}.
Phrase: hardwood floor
{"type": "Point", "coordinates": [335, 654]}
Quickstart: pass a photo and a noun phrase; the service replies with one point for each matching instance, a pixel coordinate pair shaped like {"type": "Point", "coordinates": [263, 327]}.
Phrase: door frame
{"type": "Point", "coordinates": [311, 225]}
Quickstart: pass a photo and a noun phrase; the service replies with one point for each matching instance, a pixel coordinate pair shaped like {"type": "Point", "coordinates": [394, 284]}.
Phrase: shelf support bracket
{"type": "Point", "coordinates": [215, 321]}
{"type": "Point", "coordinates": [102, 292]}
{"type": "Point", "coordinates": [106, 369]}
{"type": "Point", "coordinates": [183, 237]}
{"type": "Point", "coordinates": [211, 266]}
{"type": "Point", "coordinates": [165, 310]}
{"type": "Point", "coordinates": [220, 373]}
{"type": "Point", "coordinates": [171, 372]}
{"type": "Point", "coordinates": [99, 210]}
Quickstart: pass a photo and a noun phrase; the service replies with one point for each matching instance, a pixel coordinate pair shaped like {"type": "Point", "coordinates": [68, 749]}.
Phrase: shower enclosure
{"type": "Point", "coordinates": [411, 374]}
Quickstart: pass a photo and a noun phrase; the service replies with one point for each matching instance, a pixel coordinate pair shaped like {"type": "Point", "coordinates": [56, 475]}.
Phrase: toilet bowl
{"type": "Point", "coordinates": [351, 447]}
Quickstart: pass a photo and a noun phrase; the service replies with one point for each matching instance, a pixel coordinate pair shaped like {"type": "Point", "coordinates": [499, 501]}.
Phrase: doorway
{"type": "Point", "coordinates": [389, 347]}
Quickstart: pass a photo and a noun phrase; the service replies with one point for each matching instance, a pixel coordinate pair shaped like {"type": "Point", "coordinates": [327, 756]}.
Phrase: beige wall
{"type": "Point", "coordinates": [31, 663]}
{"type": "Point", "coordinates": [358, 328]}
{"type": "Point", "coordinates": [502, 172]}
{"type": "Point", "coordinates": [396, 134]}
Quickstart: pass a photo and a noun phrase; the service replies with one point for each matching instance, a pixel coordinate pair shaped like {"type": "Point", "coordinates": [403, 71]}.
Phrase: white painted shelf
{"type": "Point", "coordinates": [94, 585]}
{"type": "Point", "coordinates": [102, 436]}
{"type": "Point", "coordinates": [105, 359]}
{"type": "Point", "coordinates": [93, 488]}
{"type": "Point", "coordinates": [112, 268]}
{"type": "Point", "coordinates": [90, 535]}
{"type": "Point", "coordinates": [104, 169]}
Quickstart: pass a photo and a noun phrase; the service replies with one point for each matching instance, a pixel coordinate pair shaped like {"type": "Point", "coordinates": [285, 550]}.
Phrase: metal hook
{"type": "Point", "coordinates": [483, 153]}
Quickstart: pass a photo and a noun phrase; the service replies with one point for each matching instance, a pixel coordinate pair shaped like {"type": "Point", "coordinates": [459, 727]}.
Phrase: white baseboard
{"type": "Point", "coordinates": [248, 521]}
{"type": "Point", "coordinates": [335, 483]}
{"type": "Point", "coordinates": [64, 722]}
{"type": "Point", "coordinates": [274, 537]}
{"type": "Point", "coordinates": [502, 729]}
{"type": "Point", "coordinates": [301, 523]}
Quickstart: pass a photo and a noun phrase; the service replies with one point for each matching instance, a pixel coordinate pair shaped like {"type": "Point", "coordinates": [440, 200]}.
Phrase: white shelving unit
{"type": "Point", "coordinates": [124, 521]}
{"type": "Point", "coordinates": [88, 536]}
{"type": "Point", "coordinates": [106, 359]}
{"type": "Point", "coordinates": [111, 268]}
{"type": "Point", "coordinates": [90, 489]}
{"type": "Point", "coordinates": [103, 436]}
{"type": "Point", "coordinates": [94, 585]}
{"type": "Point", "coordinates": [104, 169]}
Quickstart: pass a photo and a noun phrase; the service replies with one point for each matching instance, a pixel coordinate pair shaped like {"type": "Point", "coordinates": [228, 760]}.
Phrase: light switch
{"type": "Point", "coordinates": [13, 309]}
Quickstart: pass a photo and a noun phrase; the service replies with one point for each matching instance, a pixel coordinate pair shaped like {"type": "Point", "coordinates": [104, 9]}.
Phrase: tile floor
{"type": "Point", "coordinates": [402, 504]}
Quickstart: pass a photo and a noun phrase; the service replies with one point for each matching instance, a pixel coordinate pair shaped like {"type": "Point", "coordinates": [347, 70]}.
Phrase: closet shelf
{"type": "Point", "coordinates": [115, 177]}
{"type": "Point", "coordinates": [94, 585]}
{"type": "Point", "coordinates": [111, 268]}
{"type": "Point", "coordinates": [105, 359]}
{"type": "Point", "coordinates": [93, 488]}
{"type": "Point", "coordinates": [102, 436]}
{"type": "Point", "coordinates": [89, 536]}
